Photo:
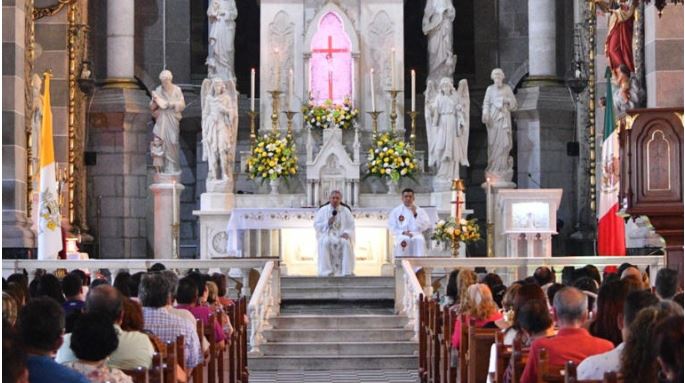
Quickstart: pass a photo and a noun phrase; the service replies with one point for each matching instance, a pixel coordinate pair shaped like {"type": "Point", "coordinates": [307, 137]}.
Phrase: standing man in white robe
{"type": "Point", "coordinates": [334, 226]}
{"type": "Point", "coordinates": [407, 222]}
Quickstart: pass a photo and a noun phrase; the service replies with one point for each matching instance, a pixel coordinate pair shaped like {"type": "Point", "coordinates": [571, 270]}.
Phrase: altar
{"type": "Point", "coordinates": [288, 233]}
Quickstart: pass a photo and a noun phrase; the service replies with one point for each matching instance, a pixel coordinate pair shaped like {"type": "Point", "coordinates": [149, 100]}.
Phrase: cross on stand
{"type": "Point", "coordinates": [329, 51]}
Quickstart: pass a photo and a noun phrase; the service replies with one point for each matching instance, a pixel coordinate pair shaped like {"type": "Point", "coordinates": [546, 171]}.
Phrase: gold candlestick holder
{"type": "Point", "coordinates": [393, 108]}
{"type": "Point", "coordinates": [275, 101]}
{"type": "Point", "coordinates": [412, 135]}
{"type": "Point", "coordinates": [289, 114]}
{"type": "Point", "coordinates": [253, 126]}
{"type": "Point", "coordinates": [491, 239]}
{"type": "Point", "coordinates": [374, 123]}
{"type": "Point", "coordinates": [175, 236]}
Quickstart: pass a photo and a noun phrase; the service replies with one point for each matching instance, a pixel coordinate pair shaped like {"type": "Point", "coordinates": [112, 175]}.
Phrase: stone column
{"type": "Point", "coordinates": [120, 29]}
{"type": "Point", "coordinates": [119, 115]}
{"type": "Point", "coordinates": [542, 38]}
{"type": "Point", "coordinates": [664, 56]}
{"type": "Point", "coordinates": [17, 237]}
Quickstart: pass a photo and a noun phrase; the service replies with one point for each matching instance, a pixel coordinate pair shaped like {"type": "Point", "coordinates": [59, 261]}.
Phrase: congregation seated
{"type": "Point", "coordinates": [187, 299]}
{"type": "Point", "coordinates": [133, 347]}
{"type": "Point", "coordinates": [154, 296]}
{"type": "Point", "coordinates": [570, 312]}
{"type": "Point", "coordinates": [40, 325]}
{"type": "Point", "coordinates": [13, 356]}
{"type": "Point", "coordinates": [668, 348]}
{"type": "Point", "coordinates": [72, 287]}
{"type": "Point", "coordinates": [610, 300]}
{"type": "Point", "coordinates": [94, 338]}
{"type": "Point", "coordinates": [666, 284]}
{"type": "Point", "coordinates": [479, 307]}
{"type": "Point", "coordinates": [595, 366]}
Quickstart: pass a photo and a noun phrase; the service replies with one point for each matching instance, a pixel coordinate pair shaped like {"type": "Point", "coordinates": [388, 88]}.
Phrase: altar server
{"type": "Point", "coordinates": [334, 226]}
{"type": "Point", "coordinates": [407, 222]}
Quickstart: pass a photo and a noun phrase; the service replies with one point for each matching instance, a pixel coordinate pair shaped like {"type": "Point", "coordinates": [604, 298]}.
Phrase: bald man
{"type": "Point", "coordinates": [334, 226]}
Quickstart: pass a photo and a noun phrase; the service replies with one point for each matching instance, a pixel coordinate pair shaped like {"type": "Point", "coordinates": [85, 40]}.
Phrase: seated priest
{"type": "Point", "coordinates": [407, 222]}
{"type": "Point", "coordinates": [334, 226]}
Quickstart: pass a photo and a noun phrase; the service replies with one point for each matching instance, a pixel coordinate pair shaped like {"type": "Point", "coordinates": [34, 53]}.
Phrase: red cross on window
{"type": "Point", "coordinates": [329, 51]}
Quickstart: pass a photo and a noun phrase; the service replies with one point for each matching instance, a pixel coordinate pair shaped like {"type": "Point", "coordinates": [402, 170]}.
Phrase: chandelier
{"type": "Point", "coordinates": [661, 4]}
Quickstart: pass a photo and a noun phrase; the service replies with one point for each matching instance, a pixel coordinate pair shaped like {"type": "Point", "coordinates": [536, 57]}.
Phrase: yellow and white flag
{"type": "Point", "coordinates": [49, 217]}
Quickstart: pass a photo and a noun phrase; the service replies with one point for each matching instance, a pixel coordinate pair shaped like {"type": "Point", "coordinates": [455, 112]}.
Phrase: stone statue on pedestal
{"type": "Point", "coordinates": [166, 106]}
{"type": "Point", "coordinates": [37, 116]}
{"type": "Point", "coordinates": [448, 129]}
{"type": "Point", "coordinates": [498, 104]}
{"type": "Point", "coordinates": [221, 53]}
{"type": "Point", "coordinates": [219, 130]}
{"type": "Point", "coordinates": [437, 22]}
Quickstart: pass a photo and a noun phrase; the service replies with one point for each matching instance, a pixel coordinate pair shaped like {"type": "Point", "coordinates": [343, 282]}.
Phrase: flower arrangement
{"type": "Point", "coordinates": [272, 157]}
{"type": "Point", "coordinates": [450, 232]}
{"type": "Point", "coordinates": [327, 114]}
{"type": "Point", "coordinates": [390, 156]}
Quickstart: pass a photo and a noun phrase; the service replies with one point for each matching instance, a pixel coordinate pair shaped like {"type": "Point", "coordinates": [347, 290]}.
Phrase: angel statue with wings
{"type": "Point", "coordinates": [447, 124]}
{"type": "Point", "coordinates": [219, 131]}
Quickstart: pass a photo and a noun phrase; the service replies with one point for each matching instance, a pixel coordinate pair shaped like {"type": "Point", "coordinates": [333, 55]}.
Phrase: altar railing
{"type": "Point", "coordinates": [265, 304]}
{"type": "Point", "coordinates": [408, 289]}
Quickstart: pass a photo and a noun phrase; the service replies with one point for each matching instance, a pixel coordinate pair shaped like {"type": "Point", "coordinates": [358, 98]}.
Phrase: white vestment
{"type": "Point", "coordinates": [402, 219]}
{"type": "Point", "coordinates": [336, 254]}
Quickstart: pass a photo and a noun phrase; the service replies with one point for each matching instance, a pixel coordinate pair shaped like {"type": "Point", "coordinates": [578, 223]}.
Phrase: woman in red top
{"type": "Point", "coordinates": [480, 307]}
{"type": "Point", "coordinates": [187, 298]}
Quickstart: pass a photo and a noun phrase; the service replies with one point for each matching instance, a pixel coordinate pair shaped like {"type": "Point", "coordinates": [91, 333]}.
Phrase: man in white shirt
{"type": "Point", "coordinates": [407, 222]}
{"type": "Point", "coordinates": [334, 226]}
{"type": "Point", "coordinates": [594, 367]}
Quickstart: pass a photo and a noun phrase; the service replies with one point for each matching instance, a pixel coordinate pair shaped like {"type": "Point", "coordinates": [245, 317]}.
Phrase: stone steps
{"type": "Point", "coordinates": [339, 348]}
{"type": "Point", "coordinates": [268, 363]}
{"type": "Point", "coordinates": [339, 321]}
{"type": "Point", "coordinates": [338, 335]}
{"type": "Point", "coordinates": [337, 288]}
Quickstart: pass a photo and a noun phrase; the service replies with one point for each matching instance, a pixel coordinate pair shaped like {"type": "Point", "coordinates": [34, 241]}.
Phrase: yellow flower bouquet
{"type": "Point", "coordinates": [390, 156]}
{"type": "Point", "coordinates": [450, 231]}
{"type": "Point", "coordinates": [272, 157]}
{"type": "Point", "coordinates": [329, 114]}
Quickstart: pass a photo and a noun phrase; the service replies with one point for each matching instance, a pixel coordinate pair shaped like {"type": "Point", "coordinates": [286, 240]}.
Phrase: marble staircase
{"type": "Point", "coordinates": [337, 323]}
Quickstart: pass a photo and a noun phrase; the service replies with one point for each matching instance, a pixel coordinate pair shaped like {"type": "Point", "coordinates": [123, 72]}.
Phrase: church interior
{"type": "Point", "coordinates": [340, 169]}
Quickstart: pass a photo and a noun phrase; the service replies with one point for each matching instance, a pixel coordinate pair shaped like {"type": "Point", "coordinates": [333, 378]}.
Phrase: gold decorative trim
{"type": "Point", "coordinates": [630, 120]}
{"type": "Point", "coordinates": [30, 41]}
{"type": "Point", "coordinates": [591, 21]}
{"type": "Point", "coordinates": [533, 81]}
{"type": "Point", "coordinates": [120, 82]}
{"type": "Point", "coordinates": [39, 13]}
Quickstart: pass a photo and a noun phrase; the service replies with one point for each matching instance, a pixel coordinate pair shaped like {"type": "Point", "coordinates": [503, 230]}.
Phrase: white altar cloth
{"type": "Point", "coordinates": [291, 218]}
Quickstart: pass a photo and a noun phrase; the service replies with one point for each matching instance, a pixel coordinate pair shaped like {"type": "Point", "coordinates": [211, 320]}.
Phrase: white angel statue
{"type": "Point", "coordinates": [448, 138]}
{"type": "Point", "coordinates": [219, 130]}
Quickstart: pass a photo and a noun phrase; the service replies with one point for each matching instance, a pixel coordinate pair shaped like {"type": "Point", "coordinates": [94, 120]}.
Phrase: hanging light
{"type": "Point", "coordinates": [661, 4]}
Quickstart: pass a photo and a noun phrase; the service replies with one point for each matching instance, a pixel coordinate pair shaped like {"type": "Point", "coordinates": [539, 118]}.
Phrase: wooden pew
{"type": "Point", "coordinates": [434, 331]}
{"type": "Point", "coordinates": [443, 340]}
{"type": "Point", "coordinates": [245, 374]}
{"type": "Point", "coordinates": [138, 375]}
{"type": "Point", "coordinates": [181, 355]}
{"type": "Point", "coordinates": [463, 350]}
{"type": "Point", "coordinates": [231, 346]}
{"type": "Point", "coordinates": [571, 375]}
{"type": "Point", "coordinates": [519, 357]}
{"type": "Point", "coordinates": [548, 373]}
{"type": "Point", "coordinates": [423, 339]}
{"type": "Point", "coordinates": [170, 362]}
{"type": "Point", "coordinates": [211, 357]}
{"type": "Point", "coordinates": [156, 372]}
{"type": "Point", "coordinates": [199, 370]}
{"type": "Point", "coordinates": [503, 357]}
{"type": "Point", "coordinates": [220, 352]}
{"type": "Point", "coordinates": [478, 354]}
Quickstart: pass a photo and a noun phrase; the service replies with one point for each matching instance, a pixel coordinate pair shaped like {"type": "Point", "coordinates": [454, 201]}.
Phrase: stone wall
{"type": "Point", "coordinates": [664, 56]}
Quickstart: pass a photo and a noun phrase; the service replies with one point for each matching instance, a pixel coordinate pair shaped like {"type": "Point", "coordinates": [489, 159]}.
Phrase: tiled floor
{"type": "Point", "coordinates": [362, 376]}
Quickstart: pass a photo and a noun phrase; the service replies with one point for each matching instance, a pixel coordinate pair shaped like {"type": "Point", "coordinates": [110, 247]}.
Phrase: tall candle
{"type": "Point", "coordinates": [373, 92]}
{"type": "Point", "coordinates": [392, 68]}
{"type": "Point", "coordinates": [290, 89]}
{"type": "Point", "coordinates": [487, 199]}
{"type": "Point", "coordinates": [252, 88]}
{"type": "Point", "coordinates": [413, 90]}
{"type": "Point", "coordinates": [277, 69]}
{"type": "Point", "coordinates": [173, 202]}
{"type": "Point", "coordinates": [455, 201]}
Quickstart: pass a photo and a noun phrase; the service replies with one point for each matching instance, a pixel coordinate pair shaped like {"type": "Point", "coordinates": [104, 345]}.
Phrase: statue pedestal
{"type": "Point", "coordinates": [166, 191]}
{"type": "Point", "coordinates": [215, 210]}
{"type": "Point", "coordinates": [496, 244]}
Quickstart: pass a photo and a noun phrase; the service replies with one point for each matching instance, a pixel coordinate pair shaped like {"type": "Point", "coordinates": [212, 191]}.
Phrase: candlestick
{"type": "Point", "coordinates": [289, 116]}
{"type": "Point", "coordinates": [252, 88]}
{"type": "Point", "coordinates": [373, 92]}
{"type": "Point", "coordinates": [290, 89]}
{"type": "Point", "coordinates": [413, 90]}
{"type": "Point", "coordinates": [392, 68]}
{"type": "Point", "coordinates": [374, 123]}
{"type": "Point", "coordinates": [253, 134]}
{"type": "Point", "coordinates": [412, 135]}
{"type": "Point", "coordinates": [393, 108]}
{"type": "Point", "coordinates": [275, 97]}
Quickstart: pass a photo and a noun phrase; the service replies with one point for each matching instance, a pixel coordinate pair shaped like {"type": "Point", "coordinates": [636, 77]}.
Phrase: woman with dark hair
{"type": "Point", "coordinates": [134, 283]}
{"type": "Point", "coordinates": [638, 360]}
{"type": "Point", "coordinates": [668, 348]}
{"type": "Point", "coordinates": [122, 282]}
{"type": "Point", "coordinates": [49, 286]}
{"type": "Point", "coordinates": [496, 286]}
{"type": "Point", "coordinates": [610, 301]}
{"type": "Point", "coordinates": [187, 298]}
{"type": "Point", "coordinates": [451, 290]}
{"type": "Point", "coordinates": [222, 284]}
{"type": "Point", "coordinates": [93, 340]}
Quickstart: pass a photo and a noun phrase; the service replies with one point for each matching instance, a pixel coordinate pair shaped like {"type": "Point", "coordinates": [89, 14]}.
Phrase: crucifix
{"type": "Point", "coordinates": [329, 51]}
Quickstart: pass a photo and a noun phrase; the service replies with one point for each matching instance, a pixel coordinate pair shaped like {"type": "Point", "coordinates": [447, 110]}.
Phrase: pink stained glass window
{"type": "Point", "coordinates": [330, 67]}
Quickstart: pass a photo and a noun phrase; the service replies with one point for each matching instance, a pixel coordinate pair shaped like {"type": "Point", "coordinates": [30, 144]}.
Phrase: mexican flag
{"type": "Point", "coordinates": [49, 216]}
{"type": "Point", "coordinates": [611, 239]}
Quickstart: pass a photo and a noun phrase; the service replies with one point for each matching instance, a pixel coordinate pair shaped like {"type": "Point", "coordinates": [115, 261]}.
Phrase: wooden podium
{"type": "Point", "coordinates": [652, 173]}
